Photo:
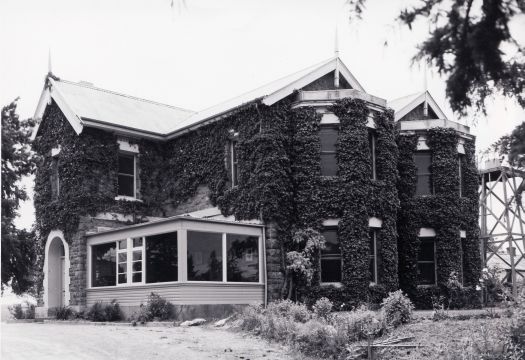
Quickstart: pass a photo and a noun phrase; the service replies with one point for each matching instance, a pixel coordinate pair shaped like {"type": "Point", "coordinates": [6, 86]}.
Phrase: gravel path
{"type": "Point", "coordinates": [89, 342]}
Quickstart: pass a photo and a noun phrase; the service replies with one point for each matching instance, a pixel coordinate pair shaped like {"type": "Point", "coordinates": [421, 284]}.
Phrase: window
{"type": "Point", "coordinates": [204, 256]}
{"type": "Point", "coordinates": [328, 136]}
{"type": "Point", "coordinates": [234, 163]}
{"type": "Point", "coordinates": [126, 175]}
{"type": "Point", "coordinates": [426, 262]}
{"type": "Point", "coordinates": [372, 143]}
{"type": "Point", "coordinates": [130, 255]}
{"type": "Point", "coordinates": [161, 258]}
{"type": "Point", "coordinates": [373, 256]}
{"type": "Point", "coordinates": [423, 161]}
{"type": "Point", "coordinates": [103, 265]}
{"type": "Point", "coordinates": [331, 257]}
{"type": "Point", "coordinates": [55, 179]}
{"type": "Point", "coordinates": [461, 158]}
{"type": "Point", "coordinates": [243, 258]}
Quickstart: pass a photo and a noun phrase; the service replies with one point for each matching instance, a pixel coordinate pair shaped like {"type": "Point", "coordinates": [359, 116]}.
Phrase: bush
{"type": "Point", "coordinates": [104, 312]}
{"type": "Point", "coordinates": [289, 309]}
{"type": "Point", "coordinates": [22, 311]}
{"type": "Point", "coordinates": [317, 338]}
{"type": "Point", "coordinates": [323, 308]}
{"type": "Point", "coordinates": [64, 313]}
{"type": "Point", "coordinates": [360, 324]}
{"type": "Point", "coordinates": [158, 308]}
{"type": "Point", "coordinates": [397, 308]}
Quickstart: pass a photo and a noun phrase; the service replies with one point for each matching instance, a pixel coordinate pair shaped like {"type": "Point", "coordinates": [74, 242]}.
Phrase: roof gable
{"type": "Point", "coordinates": [406, 104]}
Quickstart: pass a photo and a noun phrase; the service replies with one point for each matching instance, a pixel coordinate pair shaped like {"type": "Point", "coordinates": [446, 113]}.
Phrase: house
{"type": "Point", "coordinates": [207, 208]}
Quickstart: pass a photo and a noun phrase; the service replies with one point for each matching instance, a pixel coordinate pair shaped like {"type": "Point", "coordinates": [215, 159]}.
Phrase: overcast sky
{"type": "Point", "coordinates": [201, 52]}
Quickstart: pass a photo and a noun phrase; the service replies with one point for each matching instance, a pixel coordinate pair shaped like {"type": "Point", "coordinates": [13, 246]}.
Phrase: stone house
{"type": "Point", "coordinates": [206, 208]}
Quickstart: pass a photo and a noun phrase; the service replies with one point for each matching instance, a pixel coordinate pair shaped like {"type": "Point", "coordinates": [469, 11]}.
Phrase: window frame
{"type": "Point", "coordinates": [129, 261]}
{"type": "Point", "coordinates": [330, 257]}
{"type": "Point", "coordinates": [429, 174]}
{"type": "Point", "coordinates": [372, 139]}
{"type": "Point", "coordinates": [433, 239]}
{"type": "Point", "coordinates": [460, 173]}
{"type": "Point", "coordinates": [328, 152]}
{"type": "Point", "coordinates": [134, 157]}
{"type": "Point", "coordinates": [234, 163]}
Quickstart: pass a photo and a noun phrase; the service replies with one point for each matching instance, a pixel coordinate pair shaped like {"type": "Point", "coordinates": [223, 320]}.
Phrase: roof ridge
{"type": "Point", "coordinates": [86, 85]}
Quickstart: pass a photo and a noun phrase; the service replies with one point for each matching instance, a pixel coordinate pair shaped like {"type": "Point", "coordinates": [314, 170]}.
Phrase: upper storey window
{"type": "Point", "coordinates": [372, 144]}
{"type": "Point", "coordinates": [127, 169]}
{"type": "Point", "coordinates": [234, 164]}
{"type": "Point", "coordinates": [423, 162]}
{"type": "Point", "coordinates": [328, 136]}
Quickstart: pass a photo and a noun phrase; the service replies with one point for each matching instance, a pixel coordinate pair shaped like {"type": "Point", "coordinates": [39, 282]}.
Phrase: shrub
{"type": "Point", "coordinates": [158, 308]}
{"type": "Point", "coordinates": [317, 338]}
{"type": "Point", "coordinates": [323, 308]}
{"type": "Point", "coordinates": [64, 313]}
{"type": "Point", "coordinates": [104, 312]}
{"type": "Point", "coordinates": [517, 327]}
{"type": "Point", "coordinates": [22, 311]}
{"type": "Point", "coordinates": [289, 309]}
{"type": "Point", "coordinates": [397, 308]}
{"type": "Point", "coordinates": [360, 324]}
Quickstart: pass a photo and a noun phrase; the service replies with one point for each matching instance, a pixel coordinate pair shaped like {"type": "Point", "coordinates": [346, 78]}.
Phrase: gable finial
{"type": "Point", "coordinates": [336, 43]}
{"type": "Point", "coordinates": [49, 68]}
{"type": "Point", "coordinates": [425, 85]}
{"type": "Point", "coordinates": [336, 56]}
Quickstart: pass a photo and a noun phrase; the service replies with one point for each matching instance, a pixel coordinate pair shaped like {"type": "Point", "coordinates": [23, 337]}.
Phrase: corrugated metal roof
{"type": "Point", "coordinates": [89, 102]}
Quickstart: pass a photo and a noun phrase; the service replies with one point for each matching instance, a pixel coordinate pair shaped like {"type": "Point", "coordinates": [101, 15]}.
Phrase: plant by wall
{"type": "Point", "coordinates": [444, 211]}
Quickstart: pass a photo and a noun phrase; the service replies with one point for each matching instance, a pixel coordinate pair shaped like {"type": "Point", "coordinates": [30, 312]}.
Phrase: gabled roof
{"type": "Point", "coordinates": [406, 104]}
{"type": "Point", "coordinates": [86, 105]}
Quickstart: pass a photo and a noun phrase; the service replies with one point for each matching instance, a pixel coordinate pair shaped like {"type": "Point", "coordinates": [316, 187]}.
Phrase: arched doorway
{"type": "Point", "coordinates": [56, 271]}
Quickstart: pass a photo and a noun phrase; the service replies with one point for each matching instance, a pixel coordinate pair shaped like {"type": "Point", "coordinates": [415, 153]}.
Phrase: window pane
{"type": "Point", "coordinates": [204, 256]}
{"type": "Point", "coordinates": [122, 257]}
{"type": "Point", "coordinates": [332, 242]}
{"type": "Point", "coordinates": [161, 258]}
{"type": "Point", "coordinates": [372, 148]}
{"type": "Point", "coordinates": [328, 164]}
{"type": "Point", "coordinates": [423, 162]}
{"type": "Point", "coordinates": [424, 185]}
{"type": "Point", "coordinates": [136, 277]}
{"type": "Point", "coordinates": [137, 266]}
{"type": "Point", "coordinates": [243, 258]}
{"type": "Point", "coordinates": [126, 185]}
{"type": "Point", "coordinates": [122, 278]}
{"type": "Point", "coordinates": [137, 255]}
{"type": "Point", "coordinates": [126, 164]}
{"type": "Point", "coordinates": [122, 268]}
{"type": "Point", "coordinates": [426, 274]}
{"type": "Point", "coordinates": [372, 242]}
{"type": "Point", "coordinates": [122, 244]}
{"type": "Point", "coordinates": [137, 242]}
{"type": "Point", "coordinates": [103, 265]}
{"type": "Point", "coordinates": [331, 270]}
{"type": "Point", "coordinates": [426, 250]}
{"type": "Point", "coordinates": [372, 266]}
{"type": "Point", "coordinates": [328, 137]}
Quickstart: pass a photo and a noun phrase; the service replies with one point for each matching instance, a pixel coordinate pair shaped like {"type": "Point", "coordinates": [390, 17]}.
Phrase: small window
{"type": "Point", "coordinates": [423, 161]}
{"type": "Point", "coordinates": [331, 257]}
{"type": "Point", "coordinates": [461, 159]}
{"type": "Point", "coordinates": [234, 163]}
{"type": "Point", "coordinates": [243, 258]}
{"type": "Point", "coordinates": [103, 265]}
{"type": "Point", "coordinates": [372, 143]}
{"type": "Point", "coordinates": [126, 175]}
{"type": "Point", "coordinates": [161, 258]}
{"type": "Point", "coordinates": [426, 262]}
{"type": "Point", "coordinates": [373, 255]}
{"type": "Point", "coordinates": [204, 256]}
{"type": "Point", "coordinates": [55, 179]}
{"type": "Point", "coordinates": [328, 137]}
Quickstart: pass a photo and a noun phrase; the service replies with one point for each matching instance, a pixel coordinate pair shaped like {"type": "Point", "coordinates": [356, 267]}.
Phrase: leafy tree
{"type": "Point", "coordinates": [18, 251]}
{"type": "Point", "coordinates": [470, 42]}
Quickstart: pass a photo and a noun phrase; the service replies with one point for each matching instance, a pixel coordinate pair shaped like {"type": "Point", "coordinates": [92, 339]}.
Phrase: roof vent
{"type": "Point", "coordinates": [85, 83]}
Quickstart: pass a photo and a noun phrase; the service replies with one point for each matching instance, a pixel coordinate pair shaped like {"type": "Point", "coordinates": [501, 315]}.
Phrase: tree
{"type": "Point", "coordinates": [470, 42]}
{"type": "Point", "coordinates": [18, 250]}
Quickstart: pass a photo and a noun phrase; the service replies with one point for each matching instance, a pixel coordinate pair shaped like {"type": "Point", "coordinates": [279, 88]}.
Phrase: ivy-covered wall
{"type": "Point", "coordinates": [444, 211]}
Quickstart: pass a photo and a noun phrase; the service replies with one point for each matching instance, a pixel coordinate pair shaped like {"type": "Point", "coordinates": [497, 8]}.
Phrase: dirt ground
{"type": "Point", "coordinates": [89, 342]}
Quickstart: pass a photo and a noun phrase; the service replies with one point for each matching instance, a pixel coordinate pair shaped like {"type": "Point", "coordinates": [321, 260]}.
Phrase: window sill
{"type": "Point", "coordinates": [334, 284]}
{"type": "Point", "coordinates": [127, 198]}
{"type": "Point", "coordinates": [426, 285]}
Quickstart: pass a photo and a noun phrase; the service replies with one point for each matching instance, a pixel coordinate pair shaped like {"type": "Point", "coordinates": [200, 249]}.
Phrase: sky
{"type": "Point", "coordinates": [201, 52]}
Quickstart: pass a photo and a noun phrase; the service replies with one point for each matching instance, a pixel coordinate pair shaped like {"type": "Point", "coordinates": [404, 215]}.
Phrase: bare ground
{"type": "Point", "coordinates": [88, 342]}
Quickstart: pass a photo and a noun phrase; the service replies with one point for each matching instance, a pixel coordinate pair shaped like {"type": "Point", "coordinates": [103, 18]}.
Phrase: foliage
{"type": "Point", "coordinates": [104, 312]}
{"type": "Point", "coordinates": [18, 253]}
{"type": "Point", "coordinates": [397, 308]}
{"type": "Point", "coordinates": [64, 313]}
{"type": "Point", "coordinates": [157, 308]}
{"type": "Point", "coordinates": [22, 311]}
{"type": "Point", "coordinates": [323, 308]}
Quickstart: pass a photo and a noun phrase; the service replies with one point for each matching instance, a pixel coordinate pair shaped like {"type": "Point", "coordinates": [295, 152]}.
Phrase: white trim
{"type": "Point", "coordinates": [418, 101]}
{"type": "Point", "coordinates": [56, 150]}
{"type": "Point", "coordinates": [426, 232]}
{"type": "Point", "coordinates": [331, 222]}
{"type": "Point", "coordinates": [126, 146]}
{"type": "Point", "coordinates": [311, 77]}
{"type": "Point", "coordinates": [127, 198]}
{"type": "Point", "coordinates": [336, 284]}
{"type": "Point", "coordinates": [422, 144]}
{"type": "Point", "coordinates": [374, 222]}
{"type": "Point", "coordinates": [462, 234]}
{"type": "Point", "coordinates": [329, 118]}
{"type": "Point", "coordinates": [67, 297]}
{"type": "Point", "coordinates": [224, 259]}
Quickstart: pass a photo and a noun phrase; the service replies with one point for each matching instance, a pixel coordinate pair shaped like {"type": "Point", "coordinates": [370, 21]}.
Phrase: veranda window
{"type": "Point", "coordinates": [426, 261]}
{"type": "Point", "coordinates": [331, 257]}
{"type": "Point", "coordinates": [130, 255]}
{"type": "Point", "coordinates": [161, 258]}
{"type": "Point", "coordinates": [204, 256]}
{"type": "Point", "coordinates": [126, 175]}
{"type": "Point", "coordinates": [423, 161]}
{"type": "Point", "coordinates": [103, 265]}
{"type": "Point", "coordinates": [328, 137]}
{"type": "Point", "coordinates": [243, 258]}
